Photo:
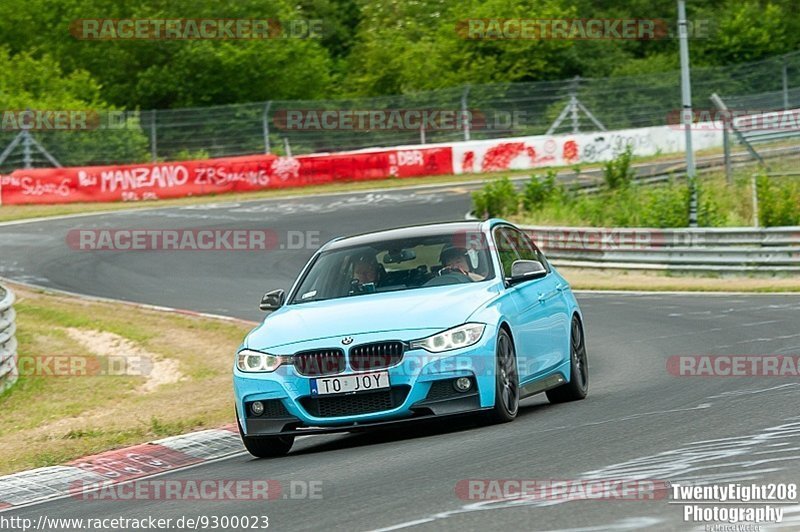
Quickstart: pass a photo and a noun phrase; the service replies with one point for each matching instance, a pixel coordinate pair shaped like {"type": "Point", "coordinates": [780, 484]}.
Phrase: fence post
{"type": "Point", "coordinates": [573, 107]}
{"type": "Point", "coordinates": [153, 145]}
{"type": "Point", "coordinates": [785, 77]}
{"type": "Point", "coordinates": [754, 182]}
{"type": "Point", "coordinates": [27, 141]}
{"type": "Point", "coordinates": [719, 104]}
{"type": "Point", "coordinates": [686, 106]}
{"type": "Point", "coordinates": [10, 147]}
{"type": "Point", "coordinates": [693, 200]}
{"type": "Point", "coordinates": [465, 112]}
{"type": "Point", "coordinates": [726, 149]}
{"type": "Point", "coordinates": [422, 133]}
{"type": "Point", "coordinates": [266, 126]}
{"type": "Point", "coordinates": [287, 148]}
{"type": "Point", "coordinates": [27, 161]}
{"type": "Point", "coordinates": [573, 103]}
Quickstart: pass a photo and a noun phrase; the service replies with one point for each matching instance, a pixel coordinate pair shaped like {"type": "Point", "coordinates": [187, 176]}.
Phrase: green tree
{"type": "Point", "coordinates": [178, 73]}
{"type": "Point", "coordinates": [40, 85]}
{"type": "Point", "coordinates": [407, 46]}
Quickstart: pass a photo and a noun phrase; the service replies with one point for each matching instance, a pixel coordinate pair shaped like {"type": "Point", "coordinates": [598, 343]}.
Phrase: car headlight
{"type": "Point", "coordinates": [255, 361]}
{"type": "Point", "coordinates": [455, 338]}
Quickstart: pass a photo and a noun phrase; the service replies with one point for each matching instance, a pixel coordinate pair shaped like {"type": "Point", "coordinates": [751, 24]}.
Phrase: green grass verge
{"type": "Point", "coordinates": [50, 419]}
{"type": "Point", "coordinates": [608, 279]}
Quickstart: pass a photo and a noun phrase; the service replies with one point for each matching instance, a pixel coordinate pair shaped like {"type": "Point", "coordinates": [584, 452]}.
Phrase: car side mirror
{"type": "Point", "coordinates": [272, 300]}
{"type": "Point", "coordinates": [525, 270]}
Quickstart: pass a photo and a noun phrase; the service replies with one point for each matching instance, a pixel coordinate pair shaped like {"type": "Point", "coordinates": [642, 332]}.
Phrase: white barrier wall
{"type": "Point", "coordinates": [259, 172]}
{"type": "Point", "coordinates": [547, 150]}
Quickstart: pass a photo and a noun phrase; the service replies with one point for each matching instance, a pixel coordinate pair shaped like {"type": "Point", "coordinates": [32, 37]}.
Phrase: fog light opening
{"type": "Point", "coordinates": [462, 384]}
{"type": "Point", "coordinates": [257, 408]}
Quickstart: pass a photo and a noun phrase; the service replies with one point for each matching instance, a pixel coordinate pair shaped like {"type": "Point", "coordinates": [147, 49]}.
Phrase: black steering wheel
{"type": "Point", "coordinates": [357, 287]}
{"type": "Point", "coordinates": [449, 276]}
{"type": "Point", "coordinates": [450, 270]}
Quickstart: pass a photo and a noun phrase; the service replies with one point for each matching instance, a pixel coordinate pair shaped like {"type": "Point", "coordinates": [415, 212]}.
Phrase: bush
{"type": "Point", "coordinates": [540, 190]}
{"type": "Point", "coordinates": [665, 206]}
{"type": "Point", "coordinates": [496, 199]}
{"type": "Point", "coordinates": [709, 210]}
{"type": "Point", "coordinates": [617, 173]}
{"type": "Point", "coordinates": [778, 201]}
{"type": "Point", "coordinates": [724, 205]}
{"type": "Point", "coordinates": [630, 204]}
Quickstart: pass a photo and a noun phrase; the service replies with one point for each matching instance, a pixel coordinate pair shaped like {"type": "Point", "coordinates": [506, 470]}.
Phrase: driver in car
{"type": "Point", "coordinates": [455, 260]}
{"type": "Point", "coordinates": [366, 274]}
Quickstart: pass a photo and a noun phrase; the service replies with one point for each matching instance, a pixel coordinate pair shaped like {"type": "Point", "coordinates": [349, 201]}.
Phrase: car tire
{"type": "Point", "coordinates": [266, 446]}
{"type": "Point", "coordinates": [578, 385]}
{"type": "Point", "coordinates": [506, 394]}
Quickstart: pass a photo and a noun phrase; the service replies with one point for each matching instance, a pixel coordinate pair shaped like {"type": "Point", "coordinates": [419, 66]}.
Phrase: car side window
{"type": "Point", "coordinates": [527, 249]}
{"type": "Point", "coordinates": [505, 249]}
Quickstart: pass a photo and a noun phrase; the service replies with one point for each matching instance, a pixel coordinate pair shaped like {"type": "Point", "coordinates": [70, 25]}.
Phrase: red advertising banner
{"type": "Point", "coordinates": [213, 176]}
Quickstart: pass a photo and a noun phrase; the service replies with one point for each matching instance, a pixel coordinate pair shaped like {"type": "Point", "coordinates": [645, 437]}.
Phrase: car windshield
{"type": "Point", "coordinates": [393, 265]}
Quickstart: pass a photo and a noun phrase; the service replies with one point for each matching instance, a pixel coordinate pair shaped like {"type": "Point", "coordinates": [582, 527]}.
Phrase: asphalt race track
{"type": "Point", "coordinates": [222, 282]}
{"type": "Point", "coordinates": [639, 421]}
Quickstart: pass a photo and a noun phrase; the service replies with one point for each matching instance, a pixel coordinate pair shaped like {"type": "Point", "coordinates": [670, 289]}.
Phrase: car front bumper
{"type": "Point", "coordinates": [421, 387]}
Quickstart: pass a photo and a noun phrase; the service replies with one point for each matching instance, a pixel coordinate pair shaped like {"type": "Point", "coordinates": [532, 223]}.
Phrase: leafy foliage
{"type": "Point", "coordinates": [378, 47]}
{"type": "Point", "coordinates": [35, 83]}
{"type": "Point", "coordinates": [617, 173]}
{"type": "Point", "coordinates": [627, 203]}
{"type": "Point", "coordinates": [540, 190]}
{"type": "Point", "coordinates": [778, 201]}
{"type": "Point", "coordinates": [497, 198]}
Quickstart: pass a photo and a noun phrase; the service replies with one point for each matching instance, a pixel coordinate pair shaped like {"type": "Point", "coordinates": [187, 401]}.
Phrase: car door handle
{"type": "Point", "coordinates": [560, 287]}
{"type": "Point", "coordinates": [548, 295]}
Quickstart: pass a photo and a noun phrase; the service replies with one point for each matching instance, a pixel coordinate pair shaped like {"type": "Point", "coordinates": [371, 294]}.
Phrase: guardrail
{"type": "Point", "coordinates": [8, 343]}
{"type": "Point", "coordinates": [735, 249]}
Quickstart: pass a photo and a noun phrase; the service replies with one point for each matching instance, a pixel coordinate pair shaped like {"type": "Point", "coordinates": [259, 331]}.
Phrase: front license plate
{"type": "Point", "coordinates": [350, 383]}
